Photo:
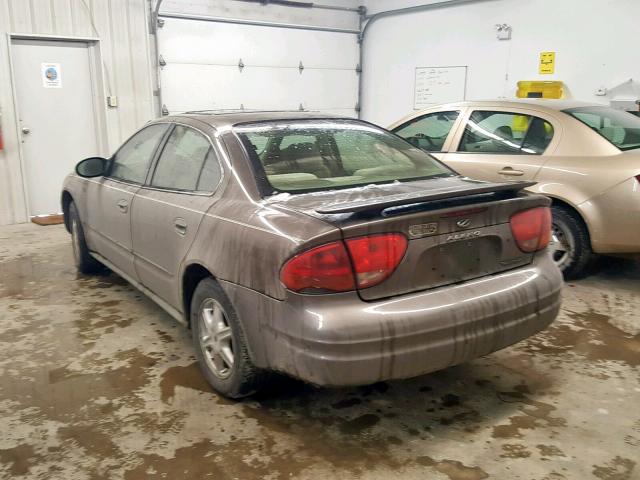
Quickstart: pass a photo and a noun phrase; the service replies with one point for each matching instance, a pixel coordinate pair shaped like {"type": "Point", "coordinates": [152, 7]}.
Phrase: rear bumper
{"type": "Point", "coordinates": [341, 340]}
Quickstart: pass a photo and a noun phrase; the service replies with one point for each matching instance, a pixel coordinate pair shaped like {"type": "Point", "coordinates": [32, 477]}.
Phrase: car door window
{"type": "Point", "coordinates": [211, 173]}
{"type": "Point", "coordinates": [187, 162]}
{"type": "Point", "coordinates": [131, 161]}
{"type": "Point", "coordinates": [538, 136]}
{"type": "Point", "coordinates": [428, 132]}
{"type": "Point", "coordinates": [505, 132]}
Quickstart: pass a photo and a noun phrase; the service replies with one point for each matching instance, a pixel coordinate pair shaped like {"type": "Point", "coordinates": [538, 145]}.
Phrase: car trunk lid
{"type": "Point", "coordinates": [458, 229]}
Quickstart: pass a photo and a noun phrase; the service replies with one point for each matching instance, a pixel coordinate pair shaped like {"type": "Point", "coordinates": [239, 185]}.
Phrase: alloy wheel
{"type": "Point", "coordinates": [75, 241]}
{"type": "Point", "coordinates": [562, 245]}
{"type": "Point", "coordinates": [216, 339]}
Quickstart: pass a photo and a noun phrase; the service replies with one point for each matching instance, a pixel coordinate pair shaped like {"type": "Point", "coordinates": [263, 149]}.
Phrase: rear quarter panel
{"type": "Point", "coordinates": [247, 244]}
{"type": "Point", "coordinates": [245, 241]}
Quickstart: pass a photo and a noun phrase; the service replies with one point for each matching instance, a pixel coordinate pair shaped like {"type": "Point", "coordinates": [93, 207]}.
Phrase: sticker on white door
{"type": "Point", "coordinates": [51, 75]}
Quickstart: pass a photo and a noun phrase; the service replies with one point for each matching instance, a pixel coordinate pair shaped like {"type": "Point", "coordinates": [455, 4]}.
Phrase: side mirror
{"type": "Point", "coordinates": [92, 167]}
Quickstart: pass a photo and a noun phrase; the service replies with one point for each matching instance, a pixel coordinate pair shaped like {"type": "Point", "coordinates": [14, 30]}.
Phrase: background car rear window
{"type": "Point", "coordinates": [188, 162]}
{"type": "Point", "coordinates": [430, 131]}
{"type": "Point", "coordinates": [131, 161]}
{"type": "Point", "coordinates": [328, 154]}
{"type": "Point", "coordinates": [505, 132]}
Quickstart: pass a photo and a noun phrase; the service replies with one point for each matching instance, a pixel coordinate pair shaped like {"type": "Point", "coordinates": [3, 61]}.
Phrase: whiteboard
{"type": "Point", "coordinates": [435, 85]}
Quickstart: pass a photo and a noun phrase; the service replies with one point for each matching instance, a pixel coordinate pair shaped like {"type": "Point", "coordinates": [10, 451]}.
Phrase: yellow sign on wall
{"type": "Point", "coordinates": [547, 63]}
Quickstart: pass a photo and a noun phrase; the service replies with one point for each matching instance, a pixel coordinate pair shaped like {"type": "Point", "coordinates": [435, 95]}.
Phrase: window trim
{"type": "Point", "coordinates": [152, 169]}
{"type": "Point", "coordinates": [531, 114]}
{"type": "Point", "coordinates": [420, 117]}
{"type": "Point", "coordinates": [161, 143]}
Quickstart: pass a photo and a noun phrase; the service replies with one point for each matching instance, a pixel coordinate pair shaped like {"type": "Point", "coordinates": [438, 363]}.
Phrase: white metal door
{"type": "Point", "coordinates": [209, 65]}
{"type": "Point", "coordinates": [56, 114]}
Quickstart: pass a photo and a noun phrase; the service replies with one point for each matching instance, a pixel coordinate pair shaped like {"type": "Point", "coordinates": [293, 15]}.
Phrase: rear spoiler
{"type": "Point", "coordinates": [421, 197]}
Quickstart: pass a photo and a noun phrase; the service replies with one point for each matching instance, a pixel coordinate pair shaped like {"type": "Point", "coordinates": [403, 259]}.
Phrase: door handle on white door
{"type": "Point", "coordinates": [511, 172]}
{"type": "Point", "coordinates": [26, 130]}
{"type": "Point", "coordinates": [123, 205]}
{"type": "Point", "coordinates": [180, 225]}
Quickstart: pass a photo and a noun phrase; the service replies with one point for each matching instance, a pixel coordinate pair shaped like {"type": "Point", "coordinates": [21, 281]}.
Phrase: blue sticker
{"type": "Point", "coordinates": [51, 73]}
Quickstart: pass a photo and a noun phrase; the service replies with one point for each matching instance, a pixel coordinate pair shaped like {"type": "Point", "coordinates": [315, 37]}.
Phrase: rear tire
{"type": "Point", "coordinates": [570, 244]}
{"type": "Point", "coordinates": [85, 263]}
{"type": "Point", "coordinates": [220, 343]}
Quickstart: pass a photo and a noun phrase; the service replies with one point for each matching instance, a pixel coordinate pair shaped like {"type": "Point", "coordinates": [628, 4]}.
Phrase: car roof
{"type": "Point", "coordinates": [229, 118]}
{"type": "Point", "coordinates": [541, 103]}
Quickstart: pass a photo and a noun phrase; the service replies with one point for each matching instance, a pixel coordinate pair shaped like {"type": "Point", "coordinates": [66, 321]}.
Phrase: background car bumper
{"type": "Point", "coordinates": [342, 340]}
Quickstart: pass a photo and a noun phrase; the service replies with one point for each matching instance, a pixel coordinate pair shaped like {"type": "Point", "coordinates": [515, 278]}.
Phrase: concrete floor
{"type": "Point", "coordinates": [97, 382]}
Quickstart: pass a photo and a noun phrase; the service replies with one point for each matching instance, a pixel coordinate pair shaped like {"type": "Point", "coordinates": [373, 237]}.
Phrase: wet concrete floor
{"type": "Point", "coordinates": [96, 382]}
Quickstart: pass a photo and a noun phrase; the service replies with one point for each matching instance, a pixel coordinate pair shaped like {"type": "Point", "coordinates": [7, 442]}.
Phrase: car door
{"type": "Point", "coordinates": [431, 132]}
{"type": "Point", "coordinates": [168, 209]}
{"type": "Point", "coordinates": [109, 199]}
{"type": "Point", "coordinates": [500, 145]}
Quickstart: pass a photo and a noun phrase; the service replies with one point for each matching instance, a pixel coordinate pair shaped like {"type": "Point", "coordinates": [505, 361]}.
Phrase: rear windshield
{"type": "Point", "coordinates": [311, 155]}
{"type": "Point", "coordinates": [620, 128]}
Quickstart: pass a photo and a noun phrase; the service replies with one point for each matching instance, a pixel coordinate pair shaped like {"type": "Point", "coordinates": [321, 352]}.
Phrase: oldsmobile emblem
{"type": "Point", "coordinates": [464, 223]}
{"type": "Point", "coordinates": [423, 229]}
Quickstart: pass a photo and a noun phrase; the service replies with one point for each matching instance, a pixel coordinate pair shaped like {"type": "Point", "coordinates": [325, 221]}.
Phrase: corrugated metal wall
{"type": "Point", "coordinates": [122, 27]}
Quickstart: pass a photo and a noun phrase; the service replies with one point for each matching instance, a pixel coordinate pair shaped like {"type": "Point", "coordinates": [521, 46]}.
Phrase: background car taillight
{"type": "Point", "coordinates": [329, 268]}
{"type": "Point", "coordinates": [376, 257]}
{"type": "Point", "coordinates": [638, 178]}
{"type": "Point", "coordinates": [532, 229]}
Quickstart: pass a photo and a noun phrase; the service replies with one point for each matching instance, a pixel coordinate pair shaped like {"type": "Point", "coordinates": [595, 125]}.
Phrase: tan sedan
{"type": "Point", "coordinates": [586, 157]}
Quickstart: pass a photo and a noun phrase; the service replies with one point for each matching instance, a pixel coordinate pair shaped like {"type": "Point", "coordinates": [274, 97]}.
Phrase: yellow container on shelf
{"type": "Point", "coordinates": [539, 89]}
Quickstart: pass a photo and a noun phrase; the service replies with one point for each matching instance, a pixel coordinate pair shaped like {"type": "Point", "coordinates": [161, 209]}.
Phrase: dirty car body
{"type": "Point", "coordinates": [325, 248]}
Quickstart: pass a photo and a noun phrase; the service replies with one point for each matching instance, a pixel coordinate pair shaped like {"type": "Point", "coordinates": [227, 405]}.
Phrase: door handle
{"type": "Point", "coordinates": [26, 131]}
{"type": "Point", "coordinates": [123, 205]}
{"type": "Point", "coordinates": [511, 172]}
{"type": "Point", "coordinates": [180, 224]}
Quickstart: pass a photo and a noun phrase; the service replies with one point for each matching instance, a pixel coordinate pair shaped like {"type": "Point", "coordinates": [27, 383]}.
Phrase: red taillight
{"type": "Point", "coordinates": [322, 268]}
{"type": "Point", "coordinates": [328, 268]}
{"type": "Point", "coordinates": [638, 178]}
{"type": "Point", "coordinates": [532, 229]}
{"type": "Point", "coordinates": [376, 257]}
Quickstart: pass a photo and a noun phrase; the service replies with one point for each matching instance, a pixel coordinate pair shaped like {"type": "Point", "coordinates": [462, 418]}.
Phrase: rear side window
{"type": "Point", "coordinates": [428, 132]}
{"type": "Point", "coordinates": [505, 132]}
{"type": "Point", "coordinates": [131, 161]}
{"type": "Point", "coordinates": [620, 128]}
{"type": "Point", "coordinates": [188, 162]}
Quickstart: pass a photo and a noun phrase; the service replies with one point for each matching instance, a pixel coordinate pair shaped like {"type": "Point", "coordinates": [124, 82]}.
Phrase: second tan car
{"type": "Point", "coordinates": [586, 157]}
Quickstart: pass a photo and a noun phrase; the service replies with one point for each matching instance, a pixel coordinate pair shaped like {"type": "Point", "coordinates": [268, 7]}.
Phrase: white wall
{"type": "Point", "coordinates": [121, 25]}
{"type": "Point", "coordinates": [595, 41]}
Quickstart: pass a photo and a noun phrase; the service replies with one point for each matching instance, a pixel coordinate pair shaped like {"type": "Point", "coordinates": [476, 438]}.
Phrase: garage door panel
{"type": "Point", "coordinates": [201, 68]}
{"type": "Point", "coordinates": [328, 89]}
{"type": "Point", "coordinates": [200, 87]}
{"type": "Point", "coordinates": [199, 42]}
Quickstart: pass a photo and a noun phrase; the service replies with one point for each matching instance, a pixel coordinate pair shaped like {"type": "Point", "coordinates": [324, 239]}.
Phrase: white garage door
{"type": "Point", "coordinates": [283, 68]}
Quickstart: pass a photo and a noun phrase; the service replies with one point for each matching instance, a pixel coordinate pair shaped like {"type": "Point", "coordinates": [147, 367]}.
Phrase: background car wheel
{"type": "Point", "coordinates": [570, 244]}
{"type": "Point", "coordinates": [85, 263]}
{"type": "Point", "coordinates": [220, 343]}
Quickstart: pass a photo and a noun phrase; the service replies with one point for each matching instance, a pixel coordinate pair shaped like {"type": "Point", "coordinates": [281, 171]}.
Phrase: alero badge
{"type": "Point", "coordinates": [423, 229]}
